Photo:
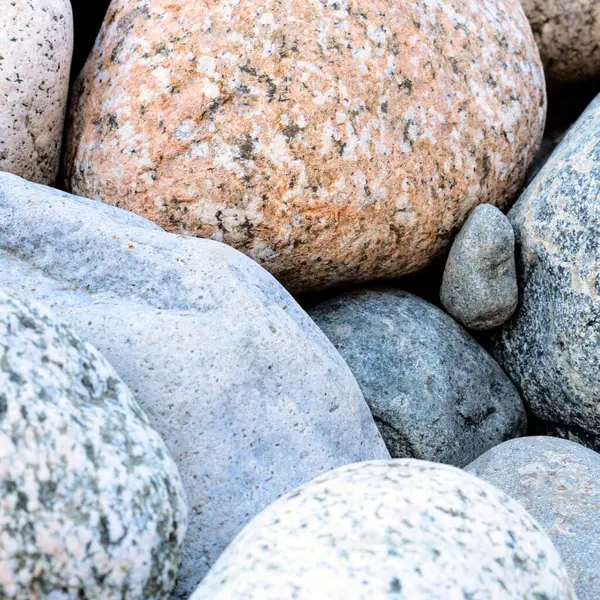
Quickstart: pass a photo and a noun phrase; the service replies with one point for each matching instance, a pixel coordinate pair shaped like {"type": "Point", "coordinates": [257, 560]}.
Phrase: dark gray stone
{"type": "Point", "coordinates": [434, 392]}
{"type": "Point", "coordinates": [551, 348]}
{"type": "Point", "coordinates": [558, 482]}
{"type": "Point", "coordinates": [479, 288]}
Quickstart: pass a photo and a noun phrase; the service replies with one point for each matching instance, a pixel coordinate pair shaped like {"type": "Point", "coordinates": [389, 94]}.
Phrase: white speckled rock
{"type": "Point", "coordinates": [92, 505]}
{"type": "Point", "coordinates": [401, 529]}
{"type": "Point", "coordinates": [36, 44]}
{"type": "Point", "coordinates": [250, 396]}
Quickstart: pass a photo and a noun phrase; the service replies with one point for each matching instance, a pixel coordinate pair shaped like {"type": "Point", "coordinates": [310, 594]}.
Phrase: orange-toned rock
{"type": "Point", "coordinates": [330, 140]}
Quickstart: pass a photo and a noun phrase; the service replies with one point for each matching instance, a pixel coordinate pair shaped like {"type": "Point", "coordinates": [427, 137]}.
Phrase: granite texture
{"type": "Point", "coordinates": [558, 482]}
{"type": "Point", "coordinates": [92, 504]}
{"type": "Point", "coordinates": [434, 391]}
{"type": "Point", "coordinates": [551, 348]}
{"type": "Point", "coordinates": [36, 43]}
{"type": "Point", "coordinates": [568, 36]}
{"type": "Point", "coordinates": [401, 529]}
{"type": "Point", "coordinates": [479, 288]}
{"type": "Point", "coordinates": [249, 395]}
{"type": "Point", "coordinates": [330, 141]}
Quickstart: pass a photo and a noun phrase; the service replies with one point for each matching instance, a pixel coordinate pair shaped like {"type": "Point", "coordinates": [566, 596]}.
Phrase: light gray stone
{"type": "Point", "coordinates": [558, 482]}
{"type": "Point", "coordinates": [479, 288]}
{"type": "Point", "coordinates": [249, 394]}
{"type": "Point", "coordinates": [92, 504]}
{"type": "Point", "coordinates": [401, 529]}
{"type": "Point", "coordinates": [551, 348]}
{"type": "Point", "coordinates": [435, 393]}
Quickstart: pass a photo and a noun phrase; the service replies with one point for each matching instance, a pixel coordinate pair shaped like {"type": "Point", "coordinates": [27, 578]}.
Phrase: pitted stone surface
{"type": "Point", "coordinates": [92, 505]}
{"type": "Point", "coordinates": [401, 529]}
{"type": "Point", "coordinates": [568, 36]}
{"type": "Point", "coordinates": [330, 141]}
{"type": "Point", "coordinates": [551, 347]}
{"type": "Point", "coordinates": [36, 43]}
{"type": "Point", "coordinates": [558, 482]}
{"type": "Point", "coordinates": [249, 395]}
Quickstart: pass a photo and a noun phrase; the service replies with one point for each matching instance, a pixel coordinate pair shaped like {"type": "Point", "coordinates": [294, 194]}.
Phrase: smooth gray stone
{"type": "Point", "coordinates": [92, 503]}
{"type": "Point", "coordinates": [558, 482]}
{"type": "Point", "coordinates": [479, 288]}
{"type": "Point", "coordinates": [391, 530]}
{"type": "Point", "coordinates": [249, 395]}
{"type": "Point", "coordinates": [435, 393]}
{"type": "Point", "coordinates": [551, 348]}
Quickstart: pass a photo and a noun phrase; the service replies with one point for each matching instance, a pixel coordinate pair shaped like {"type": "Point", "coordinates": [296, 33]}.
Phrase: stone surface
{"type": "Point", "coordinates": [248, 393]}
{"type": "Point", "coordinates": [567, 34]}
{"type": "Point", "coordinates": [435, 393]}
{"type": "Point", "coordinates": [92, 504]}
{"type": "Point", "coordinates": [551, 348]}
{"type": "Point", "coordinates": [558, 482]}
{"type": "Point", "coordinates": [36, 43]}
{"type": "Point", "coordinates": [479, 288]}
{"type": "Point", "coordinates": [329, 141]}
{"type": "Point", "coordinates": [400, 529]}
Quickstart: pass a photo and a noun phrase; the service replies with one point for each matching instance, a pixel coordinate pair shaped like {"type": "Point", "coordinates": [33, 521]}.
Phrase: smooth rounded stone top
{"type": "Point", "coordinates": [567, 34]}
{"type": "Point", "coordinates": [329, 141]}
{"type": "Point", "coordinates": [36, 44]}
{"type": "Point", "coordinates": [551, 348]}
{"type": "Point", "coordinates": [479, 288]}
{"type": "Point", "coordinates": [401, 529]}
{"type": "Point", "coordinates": [558, 482]}
{"type": "Point", "coordinates": [434, 391]}
{"type": "Point", "coordinates": [92, 504]}
{"type": "Point", "coordinates": [249, 395]}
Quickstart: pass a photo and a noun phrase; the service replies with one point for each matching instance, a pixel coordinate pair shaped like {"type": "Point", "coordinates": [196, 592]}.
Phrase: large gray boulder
{"type": "Point", "coordinates": [558, 482]}
{"type": "Point", "coordinates": [551, 348]}
{"type": "Point", "coordinates": [435, 393]}
{"type": "Point", "coordinates": [248, 393]}
{"type": "Point", "coordinates": [391, 530]}
{"type": "Point", "coordinates": [92, 504]}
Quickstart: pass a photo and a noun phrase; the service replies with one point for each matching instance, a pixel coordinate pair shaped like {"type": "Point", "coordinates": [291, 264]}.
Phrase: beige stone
{"type": "Point", "coordinates": [36, 44]}
{"type": "Point", "coordinates": [568, 36]}
{"type": "Point", "coordinates": [330, 141]}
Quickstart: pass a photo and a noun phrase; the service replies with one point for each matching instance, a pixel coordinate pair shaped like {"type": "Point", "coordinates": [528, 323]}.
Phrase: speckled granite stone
{"type": "Point", "coordinates": [551, 347]}
{"type": "Point", "coordinates": [402, 529]}
{"type": "Point", "coordinates": [250, 396]}
{"type": "Point", "coordinates": [36, 43]}
{"type": "Point", "coordinates": [330, 141]}
{"type": "Point", "coordinates": [434, 391]}
{"type": "Point", "coordinates": [92, 505]}
{"type": "Point", "coordinates": [558, 482]}
{"type": "Point", "coordinates": [568, 36]}
{"type": "Point", "coordinates": [479, 288]}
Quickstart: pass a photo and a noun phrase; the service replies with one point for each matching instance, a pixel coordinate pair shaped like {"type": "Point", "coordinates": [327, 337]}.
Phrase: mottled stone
{"type": "Point", "coordinates": [558, 482]}
{"type": "Point", "coordinates": [248, 393]}
{"type": "Point", "coordinates": [434, 391]}
{"type": "Point", "coordinates": [36, 43]}
{"type": "Point", "coordinates": [92, 505]}
{"type": "Point", "coordinates": [401, 529]}
{"type": "Point", "coordinates": [568, 36]}
{"type": "Point", "coordinates": [551, 347]}
{"type": "Point", "coordinates": [330, 141]}
{"type": "Point", "coordinates": [479, 288]}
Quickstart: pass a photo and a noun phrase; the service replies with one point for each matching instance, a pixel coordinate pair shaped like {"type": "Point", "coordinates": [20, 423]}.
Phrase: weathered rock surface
{"type": "Point", "coordinates": [92, 504]}
{"type": "Point", "coordinates": [551, 348]}
{"type": "Point", "coordinates": [248, 393]}
{"type": "Point", "coordinates": [435, 393]}
{"type": "Point", "coordinates": [36, 43]}
{"type": "Point", "coordinates": [558, 482]}
{"type": "Point", "coordinates": [400, 529]}
{"type": "Point", "coordinates": [567, 34]}
{"type": "Point", "coordinates": [480, 288]}
{"type": "Point", "coordinates": [331, 142]}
